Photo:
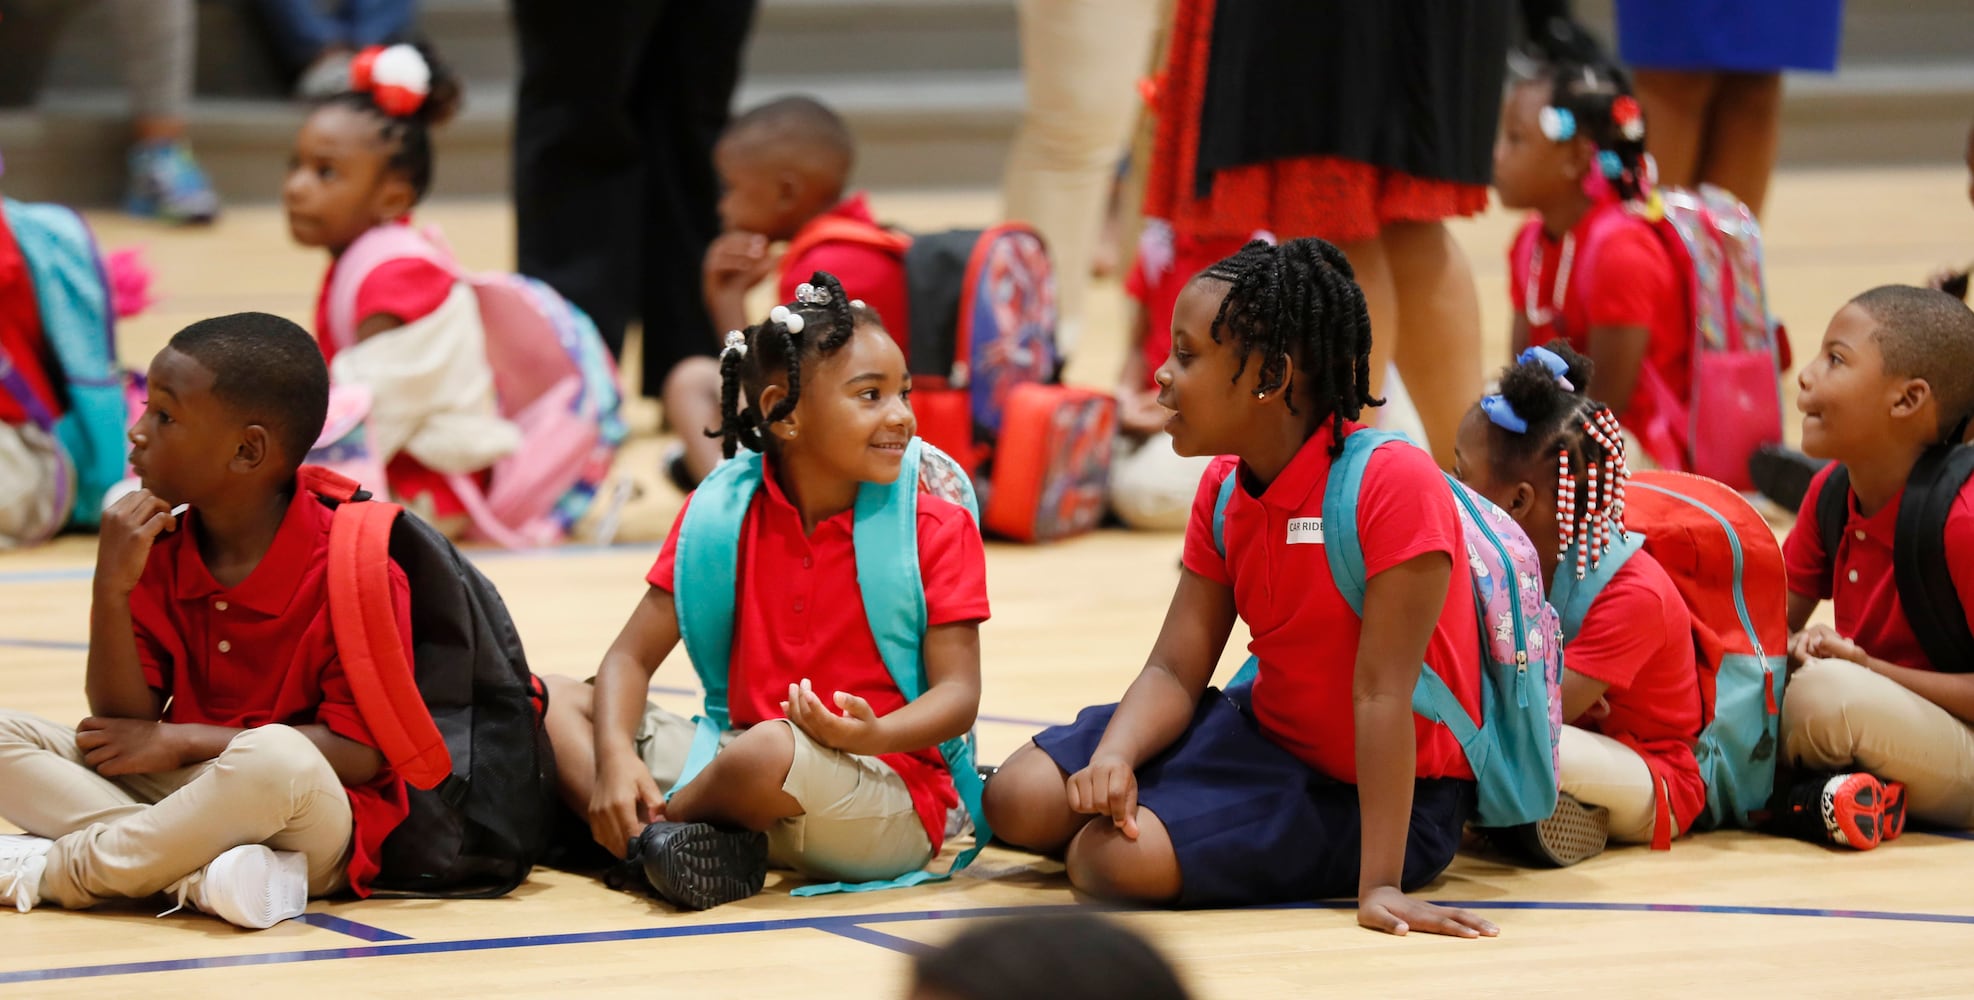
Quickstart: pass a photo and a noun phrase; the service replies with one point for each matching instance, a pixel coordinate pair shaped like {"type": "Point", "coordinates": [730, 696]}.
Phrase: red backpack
{"type": "Point", "coordinates": [980, 340]}
{"type": "Point", "coordinates": [1725, 562]}
{"type": "Point", "coordinates": [460, 721]}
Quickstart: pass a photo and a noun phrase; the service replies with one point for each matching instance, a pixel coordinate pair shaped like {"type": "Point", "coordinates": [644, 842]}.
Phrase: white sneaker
{"type": "Point", "coordinates": [253, 886]}
{"type": "Point", "coordinates": [22, 860]}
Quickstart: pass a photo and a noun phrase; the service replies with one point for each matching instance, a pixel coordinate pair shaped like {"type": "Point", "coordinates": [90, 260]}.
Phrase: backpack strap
{"type": "Point", "coordinates": [1919, 560]}
{"type": "Point", "coordinates": [706, 576]}
{"type": "Point", "coordinates": [1572, 597]}
{"type": "Point", "coordinates": [1833, 511]}
{"type": "Point", "coordinates": [15, 385]}
{"type": "Point", "coordinates": [380, 245]}
{"type": "Point", "coordinates": [363, 618]}
{"type": "Point", "coordinates": [1220, 510]}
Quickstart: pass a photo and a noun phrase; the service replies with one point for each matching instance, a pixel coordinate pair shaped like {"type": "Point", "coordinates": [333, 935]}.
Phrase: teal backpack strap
{"type": "Point", "coordinates": [1248, 670]}
{"type": "Point", "coordinates": [705, 582]}
{"type": "Point", "coordinates": [72, 295]}
{"type": "Point", "coordinates": [1572, 597]}
{"type": "Point", "coordinates": [894, 601]}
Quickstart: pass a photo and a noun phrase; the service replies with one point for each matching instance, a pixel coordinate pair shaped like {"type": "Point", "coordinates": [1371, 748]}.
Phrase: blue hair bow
{"type": "Point", "coordinates": [1551, 360]}
{"type": "Point", "coordinates": [1501, 413]}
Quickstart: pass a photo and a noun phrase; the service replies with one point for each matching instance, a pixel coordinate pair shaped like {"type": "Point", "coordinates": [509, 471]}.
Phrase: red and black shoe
{"type": "Point", "coordinates": [1894, 823]}
{"type": "Point", "coordinates": [1847, 810]}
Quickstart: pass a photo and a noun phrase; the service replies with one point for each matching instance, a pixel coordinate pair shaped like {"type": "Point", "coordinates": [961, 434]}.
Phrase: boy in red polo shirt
{"type": "Point", "coordinates": [826, 768]}
{"type": "Point", "coordinates": [784, 166]}
{"type": "Point", "coordinates": [223, 760]}
{"type": "Point", "coordinates": [1317, 780]}
{"type": "Point", "coordinates": [1894, 377]}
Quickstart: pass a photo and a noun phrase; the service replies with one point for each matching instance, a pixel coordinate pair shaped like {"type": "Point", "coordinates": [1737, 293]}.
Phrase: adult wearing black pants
{"type": "Point", "coordinates": [614, 191]}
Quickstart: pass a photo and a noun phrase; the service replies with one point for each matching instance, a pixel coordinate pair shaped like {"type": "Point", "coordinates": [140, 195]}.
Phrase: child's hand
{"type": "Point", "coordinates": [856, 731]}
{"type": "Point", "coordinates": [1138, 412]}
{"type": "Point", "coordinates": [123, 545]}
{"type": "Point", "coordinates": [625, 800]}
{"type": "Point", "coordinates": [735, 263]}
{"type": "Point", "coordinates": [1390, 910]}
{"type": "Point", "coordinates": [1108, 787]}
{"type": "Point", "coordinates": [1821, 642]}
{"type": "Point", "coordinates": [127, 746]}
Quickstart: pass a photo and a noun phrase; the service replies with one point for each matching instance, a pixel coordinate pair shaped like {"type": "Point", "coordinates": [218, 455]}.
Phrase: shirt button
{"type": "Point", "coordinates": [798, 607]}
{"type": "Point", "coordinates": [1859, 535]}
{"type": "Point", "coordinates": [1851, 576]}
{"type": "Point", "coordinates": [808, 562]}
{"type": "Point", "coordinates": [219, 605]}
{"type": "Point", "coordinates": [227, 647]}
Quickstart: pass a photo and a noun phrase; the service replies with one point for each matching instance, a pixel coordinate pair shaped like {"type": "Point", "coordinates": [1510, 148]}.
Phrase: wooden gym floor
{"type": "Point", "coordinates": [1720, 914]}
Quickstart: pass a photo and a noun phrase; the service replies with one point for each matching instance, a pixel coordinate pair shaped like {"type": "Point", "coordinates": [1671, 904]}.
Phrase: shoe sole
{"type": "Point", "coordinates": [1893, 824]}
{"type": "Point", "coordinates": [1854, 811]}
{"type": "Point", "coordinates": [1573, 833]}
{"type": "Point", "coordinates": [701, 866]}
{"type": "Point", "coordinates": [284, 874]}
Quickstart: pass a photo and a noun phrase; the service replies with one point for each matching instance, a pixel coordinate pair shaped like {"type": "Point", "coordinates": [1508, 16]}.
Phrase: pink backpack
{"type": "Point", "coordinates": [553, 379]}
{"type": "Point", "coordinates": [1735, 403]}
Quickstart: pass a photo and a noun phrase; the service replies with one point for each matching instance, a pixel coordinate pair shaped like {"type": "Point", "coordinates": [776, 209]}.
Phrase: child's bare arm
{"type": "Point", "coordinates": [1519, 336]}
{"type": "Point", "coordinates": [1402, 606]}
{"type": "Point", "coordinates": [626, 799]}
{"type": "Point", "coordinates": [1801, 606]}
{"type": "Point", "coordinates": [1580, 692]}
{"type": "Point", "coordinates": [114, 681]}
{"type": "Point", "coordinates": [1618, 352]}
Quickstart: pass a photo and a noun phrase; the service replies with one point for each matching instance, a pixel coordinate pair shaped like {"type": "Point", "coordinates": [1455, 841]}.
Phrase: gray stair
{"type": "Point", "coordinates": [931, 87]}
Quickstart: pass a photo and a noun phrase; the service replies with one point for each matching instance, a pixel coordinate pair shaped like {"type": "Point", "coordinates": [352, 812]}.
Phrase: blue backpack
{"type": "Point", "coordinates": [886, 540]}
{"type": "Point", "coordinates": [1513, 750]}
{"type": "Point", "coordinates": [72, 292]}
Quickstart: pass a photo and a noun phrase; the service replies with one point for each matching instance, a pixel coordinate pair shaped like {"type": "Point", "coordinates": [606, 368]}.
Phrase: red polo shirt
{"type": "Point", "coordinates": [1304, 632]}
{"type": "Point", "coordinates": [262, 653]}
{"type": "Point", "coordinates": [868, 273]}
{"type": "Point", "coordinates": [800, 614]}
{"type": "Point", "coordinates": [1863, 588]}
{"type": "Point", "coordinates": [20, 332]}
{"type": "Point", "coordinates": [1638, 638]}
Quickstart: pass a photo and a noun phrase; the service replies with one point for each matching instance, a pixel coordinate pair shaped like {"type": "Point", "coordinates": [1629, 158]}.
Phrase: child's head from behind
{"type": "Point", "coordinates": [1570, 127]}
{"type": "Point", "coordinates": [1269, 334]}
{"type": "Point", "coordinates": [1547, 454]}
{"type": "Point", "coordinates": [364, 158]}
{"type": "Point", "coordinates": [782, 164]}
{"type": "Point", "coordinates": [1075, 955]}
{"type": "Point", "coordinates": [1896, 368]}
{"type": "Point", "coordinates": [236, 402]}
{"type": "Point", "coordinates": [820, 382]}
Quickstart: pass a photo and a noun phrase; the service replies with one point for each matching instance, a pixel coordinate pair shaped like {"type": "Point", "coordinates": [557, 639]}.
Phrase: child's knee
{"type": "Point", "coordinates": [567, 694]}
{"type": "Point", "coordinates": [1025, 801]}
{"type": "Point", "coordinates": [275, 759]}
{"type": "Point", "coordinates": [1104, 863]}
{"type": "Point", "coordinates": [759, 757]}
{"type": "Point", "coordinates": [18, 728]}
{"type": "Point", "coordinates": [1818, 694]}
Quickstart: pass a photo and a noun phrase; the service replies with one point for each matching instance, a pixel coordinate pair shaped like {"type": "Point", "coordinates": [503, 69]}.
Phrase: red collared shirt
{"type": "Point", "coordinates": [1304, 631]}
{"type": "Point", "coordinates": [800, 614]}
{"type": "Point", "coordinates": [1638, 638]}
{"type": "Point", "coordinates": [867, 273]}
{"type": "Point", "coordinates": [1863, 589]}
{"type": "Point", "coordinates": [262, 653]}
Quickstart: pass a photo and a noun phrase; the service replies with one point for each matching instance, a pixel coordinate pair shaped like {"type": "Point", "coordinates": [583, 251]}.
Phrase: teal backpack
{"type": "Point", "coordinates": [886, 539]}
{"type": "Point", "coordinates": [1513, 750]}
{"type": "Point", "coordinates": [72, 292]}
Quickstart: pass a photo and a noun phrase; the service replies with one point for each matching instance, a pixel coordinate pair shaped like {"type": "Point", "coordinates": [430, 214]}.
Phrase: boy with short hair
{"type": "Point", "coordinates": [1894, 377]}
{"type": "Point", "coordinates": [224, 760]}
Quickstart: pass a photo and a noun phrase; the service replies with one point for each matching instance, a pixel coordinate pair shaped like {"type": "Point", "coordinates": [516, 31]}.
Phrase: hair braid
{"type": "Point", "coordinates": [776, 351]}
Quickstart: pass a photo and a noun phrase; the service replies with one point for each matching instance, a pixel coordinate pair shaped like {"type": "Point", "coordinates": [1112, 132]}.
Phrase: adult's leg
{"type": "Point", "coordinates": [685, 94]}
{"type": "Point", "coordinates": [1742, 136]}
{"type": "Point", "coordinates": [376, 22]}
{"type": "Point", "coordinates": [1027, 803]}
{"type": "Point", "coordinates": [1839, 716]}
{"type": "Point", "coordinates": [1438, 343]}
{"type": "Point", "coordinates": [1371, 262]}
{"type": "Point", "coordinates": [578, 165]}
{"type": "Point", "coordinates": [302, 30]}
{"type": "Point", "coordinates": [1080, 60]}
{"type": "Point", "coordinates": [1600, 771]}
{"type": "Point", "coordinates": [157, 39]}
{"type": "Point", "coordinates": [1677, 106]}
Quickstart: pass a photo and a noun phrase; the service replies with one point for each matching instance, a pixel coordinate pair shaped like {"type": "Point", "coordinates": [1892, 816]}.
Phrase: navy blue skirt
{"type": "Point", "coordinates": [1251, 823]}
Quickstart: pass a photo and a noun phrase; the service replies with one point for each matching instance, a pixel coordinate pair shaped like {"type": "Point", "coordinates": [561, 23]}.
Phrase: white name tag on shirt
{"type": "Point", "coordinates": [1306, 531]}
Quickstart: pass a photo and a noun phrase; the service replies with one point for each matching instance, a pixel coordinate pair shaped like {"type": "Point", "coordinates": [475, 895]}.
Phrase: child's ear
{"type": "Point", "coordinates": [395, 197]}
{"type": "Point", "coordinates": [772, 397]}
{"type": "Point", "coordinates": [1521, 503]}
{"type": "Point", "coordinates": [1914, 399]}
{"type": "Point", "coordinates": [253, 449]}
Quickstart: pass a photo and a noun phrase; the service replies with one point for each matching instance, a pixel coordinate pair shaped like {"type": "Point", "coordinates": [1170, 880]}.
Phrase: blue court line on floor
{"type": "Point", "coordinates": [343, 925]}
{"type": "Point", "coordinates": [890, 942]}
{"type": "Point", "coordinates": [80, 647]}
{"type": "Point", "coordinates": [835, 924]}
{"type": "Point", "coordinates": [476, 555]}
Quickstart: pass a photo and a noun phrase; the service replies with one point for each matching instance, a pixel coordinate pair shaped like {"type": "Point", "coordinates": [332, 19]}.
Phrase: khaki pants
{"type": "Point", "coordinates": [1151, 488]}
{"type": "Point", "coordinates": [133, 836]}
{"type": "Point", "coordinates": [1600, 771]}
{"type": "Point", "coordinates": [1080, 61]}
{"type": "Point", "coordinates": [1838, 715]}
{"type": "Point", "coordinates": [858, 823]}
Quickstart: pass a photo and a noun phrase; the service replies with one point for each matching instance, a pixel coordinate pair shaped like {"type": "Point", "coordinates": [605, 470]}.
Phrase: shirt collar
{"type": "Point", "coordinates": [272, 585]}
{"type": "Point", "coordinates": [1291, 490]}
{"type": "Point", "coordinates": [1881, 527]}
{"type": "Point", "coordinates": [779, 505]}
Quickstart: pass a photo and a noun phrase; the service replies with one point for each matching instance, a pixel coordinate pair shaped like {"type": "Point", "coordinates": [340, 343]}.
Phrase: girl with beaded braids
{"type": "Point", "coordinates": [824, 764]}
{"type": "Point", "coordinates": [1590, 267]}
{"type": "Point", "coordinates": [1317, 779]}
{"type": "Point", "coordinates": [1545, 452]}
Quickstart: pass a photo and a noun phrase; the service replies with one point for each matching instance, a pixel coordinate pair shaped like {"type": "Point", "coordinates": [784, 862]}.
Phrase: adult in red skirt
{"type": "Point", "coordinates": [1364, 124]}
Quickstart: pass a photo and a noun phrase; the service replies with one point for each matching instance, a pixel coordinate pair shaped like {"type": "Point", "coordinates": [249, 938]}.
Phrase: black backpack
{"type": "Point", "coordinates": [469, 741]}
{"type": "Point", "coordinates": [1919, 555]}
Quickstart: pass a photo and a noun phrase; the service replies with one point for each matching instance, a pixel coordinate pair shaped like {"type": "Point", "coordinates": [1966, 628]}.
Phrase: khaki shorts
{"type": "Point", "coordinates": [857, 824]}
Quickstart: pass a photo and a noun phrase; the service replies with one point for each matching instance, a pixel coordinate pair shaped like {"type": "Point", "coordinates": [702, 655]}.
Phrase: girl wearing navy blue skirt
{"type": "Point", "coordinates": [1315, 780]}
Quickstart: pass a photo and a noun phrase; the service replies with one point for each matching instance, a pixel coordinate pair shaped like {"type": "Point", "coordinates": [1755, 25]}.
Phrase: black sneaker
{"type": "Point", "coordinates": [1573, 833]}
{"type": "Point", "coordinates": [1783, 474]}
{"type": "Point", "coordinates": [698, 866]}
{"type": "Point", "coordinates": [1845, 810]}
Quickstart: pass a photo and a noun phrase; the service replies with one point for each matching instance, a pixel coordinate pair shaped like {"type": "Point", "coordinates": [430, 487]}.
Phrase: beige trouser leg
{"type": "Point", "coordinates": [1151, 488]}
{"type": "Point", "coordinates": [1080, 61]}
{"type": "Point", "coordinates": [1600, 771]}
{"type": "Point", "coordinates": [1838, 715]}
{"type": "Point", "coordinates": [133, 836]}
